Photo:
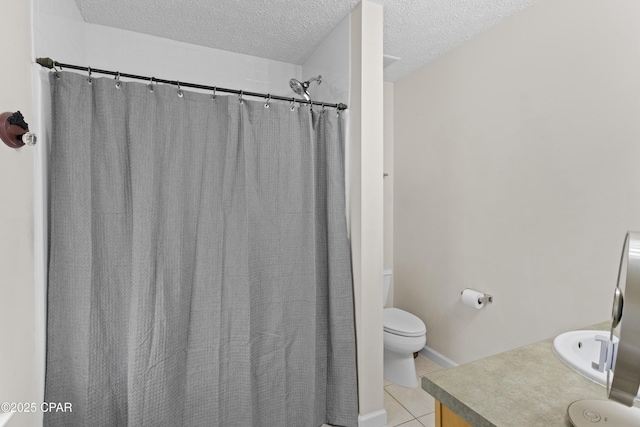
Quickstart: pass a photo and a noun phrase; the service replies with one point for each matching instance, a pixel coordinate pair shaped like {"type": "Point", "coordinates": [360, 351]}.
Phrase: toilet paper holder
{"type": "Point", "coordinates": [484, 299]}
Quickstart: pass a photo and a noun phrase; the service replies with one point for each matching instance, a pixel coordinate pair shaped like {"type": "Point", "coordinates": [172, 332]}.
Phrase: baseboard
{"type": "Point", "coordinates": [373, 419]}
{"type": "Point", "coordinates": [440, 359]}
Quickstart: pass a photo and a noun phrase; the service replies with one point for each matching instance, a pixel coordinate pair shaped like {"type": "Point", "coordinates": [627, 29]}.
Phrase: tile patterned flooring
{"type": "Point", "coordinates": [410, 407]}
{"type": "Point", "coordinates": [407, 407]}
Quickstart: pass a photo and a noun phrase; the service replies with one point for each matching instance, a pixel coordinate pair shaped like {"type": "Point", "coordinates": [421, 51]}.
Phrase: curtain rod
{"type": "Point", "coordinates": [51, 64]}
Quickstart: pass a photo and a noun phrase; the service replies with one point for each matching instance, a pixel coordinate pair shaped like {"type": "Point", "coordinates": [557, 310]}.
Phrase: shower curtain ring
{"type": "Point", "coordinates": [56, 71]}
{"type": "Point", "coordinates": [214, 92]}
{"type": "Point", "coordinates": [240, 97]}
{"type": "Point", "coordinates": [293, 107]}
{"type": "Point", "coordinates": [180, 92]}
{"type": "Point", "coordinates": [118, 84]}
{"type": "Point", "coordinates": [89, 79]}
{"type": "Point", "coordinates": [266, 105]}
{"type": "Point", "coordinates": [150, 85]}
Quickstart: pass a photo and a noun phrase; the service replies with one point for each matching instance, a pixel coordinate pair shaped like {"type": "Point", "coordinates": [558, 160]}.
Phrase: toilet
{"type": "Point", "coordinates": [404, 334]}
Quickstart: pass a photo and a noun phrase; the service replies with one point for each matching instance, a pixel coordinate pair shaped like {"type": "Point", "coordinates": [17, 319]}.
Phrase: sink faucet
{"type": "Point", "coordinates": [608, 352]}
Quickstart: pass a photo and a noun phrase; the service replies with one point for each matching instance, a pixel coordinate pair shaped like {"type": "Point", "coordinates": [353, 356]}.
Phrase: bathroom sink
{"type": "Point", "coordinates": [585, 352]}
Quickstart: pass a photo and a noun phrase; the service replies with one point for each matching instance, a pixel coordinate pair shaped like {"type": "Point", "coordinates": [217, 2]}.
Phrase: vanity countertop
{"type": "Point", "coordinates": [526, 386]}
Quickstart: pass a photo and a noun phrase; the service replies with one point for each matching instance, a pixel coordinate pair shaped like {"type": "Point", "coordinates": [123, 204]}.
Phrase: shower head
{"type": "Point", "coordinates": [300, 88]}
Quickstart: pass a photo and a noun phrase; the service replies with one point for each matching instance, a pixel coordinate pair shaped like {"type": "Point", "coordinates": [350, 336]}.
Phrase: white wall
{"type": "Point", "coordinates": [17, 315]}
{"type": "Point", "coordinates": [366, 204]}
{"type": "Point", "coordinates": [59, 31]}
{"type": "Point", "coordinates": [63, 36]}
{"type": "Point", "coordinates": [331, 60]}
{"type": "Point", "coordinates": [388, 184]}
{"type": "Point", "coordinates": [517, 173]}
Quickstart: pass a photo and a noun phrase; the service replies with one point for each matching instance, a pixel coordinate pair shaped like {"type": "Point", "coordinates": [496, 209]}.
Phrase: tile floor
{"type": "Point", "coordinates": [408, 407]}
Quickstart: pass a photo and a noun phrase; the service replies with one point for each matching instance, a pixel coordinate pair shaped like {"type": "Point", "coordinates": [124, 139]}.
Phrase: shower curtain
{"type": "Point", "coordinates": [199, 262]}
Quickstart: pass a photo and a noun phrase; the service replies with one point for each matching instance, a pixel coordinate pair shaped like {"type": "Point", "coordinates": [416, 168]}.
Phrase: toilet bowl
{"type": "Point", "coordinates": [404, 334]}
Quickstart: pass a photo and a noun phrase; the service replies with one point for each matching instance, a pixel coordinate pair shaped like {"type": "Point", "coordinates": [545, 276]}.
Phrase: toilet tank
{"type": "Point", "coordinates": [386, 285]}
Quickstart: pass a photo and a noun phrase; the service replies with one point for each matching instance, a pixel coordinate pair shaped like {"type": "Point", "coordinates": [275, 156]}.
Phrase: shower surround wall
{"type": "Point", "coordinates": [331, 60]}
{"type": "Point", "coordinates": [517, 174]}
{"type": "Point", "coordinates": [60, 33]}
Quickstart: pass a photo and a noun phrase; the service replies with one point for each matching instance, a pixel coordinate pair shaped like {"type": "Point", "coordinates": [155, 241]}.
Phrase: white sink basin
{"type": "Point", "coordinates": [579, 350]}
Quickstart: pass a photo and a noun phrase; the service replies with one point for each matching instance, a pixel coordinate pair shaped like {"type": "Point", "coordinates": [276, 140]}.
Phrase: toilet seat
{"type": "Point", "coordinates": [400, 322]}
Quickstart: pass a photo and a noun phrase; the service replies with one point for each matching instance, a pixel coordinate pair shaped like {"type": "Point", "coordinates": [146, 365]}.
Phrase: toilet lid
{"type": "Point", "coordinates": [400, 322]}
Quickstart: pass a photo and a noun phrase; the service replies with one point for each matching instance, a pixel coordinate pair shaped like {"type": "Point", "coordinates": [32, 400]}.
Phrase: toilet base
{"type": "Point", "coordinates": [400, 369]}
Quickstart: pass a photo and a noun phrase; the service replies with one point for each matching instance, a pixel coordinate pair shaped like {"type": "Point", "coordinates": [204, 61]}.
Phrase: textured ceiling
{"type": "Point", "coordinates": [416, 31]}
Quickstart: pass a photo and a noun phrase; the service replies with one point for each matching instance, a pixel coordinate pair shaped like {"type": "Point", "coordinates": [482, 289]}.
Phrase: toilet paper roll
{"type": "Point", "coordinates": [472, 298]}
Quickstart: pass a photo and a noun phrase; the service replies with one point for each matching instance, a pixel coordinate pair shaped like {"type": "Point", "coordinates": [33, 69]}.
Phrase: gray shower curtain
{"type": "Point", "coordinates": [199, 263]}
